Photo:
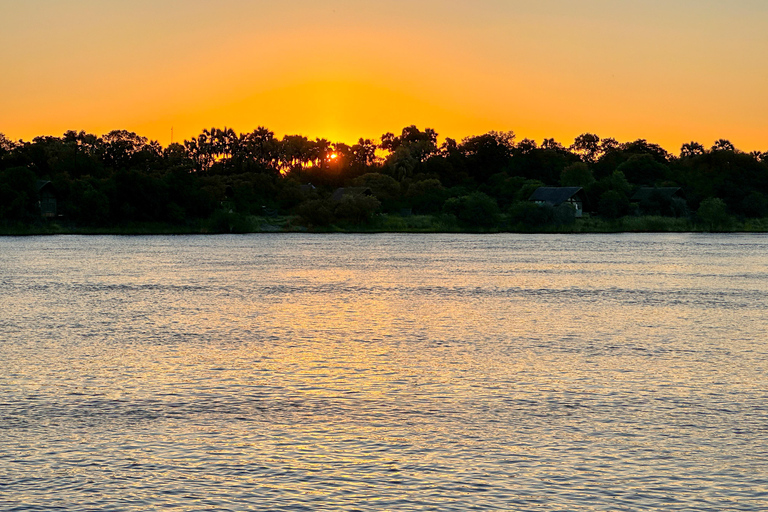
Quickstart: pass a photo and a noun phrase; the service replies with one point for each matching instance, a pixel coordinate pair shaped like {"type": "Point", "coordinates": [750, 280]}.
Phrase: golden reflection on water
{"type": "Point", "coordinates": [388, 372]}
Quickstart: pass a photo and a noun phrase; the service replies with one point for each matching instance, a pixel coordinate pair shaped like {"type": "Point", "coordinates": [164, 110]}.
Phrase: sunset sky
{"type": "Point", "coordinates": [669, 71]}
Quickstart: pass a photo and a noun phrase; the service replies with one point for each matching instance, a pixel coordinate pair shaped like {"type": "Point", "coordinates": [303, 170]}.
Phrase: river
{"type": "Point", "coordinates": [384, 372]}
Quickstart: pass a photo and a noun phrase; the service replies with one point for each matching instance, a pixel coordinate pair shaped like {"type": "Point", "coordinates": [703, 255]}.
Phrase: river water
{"type": "Point", "coordinates": [384, 372]}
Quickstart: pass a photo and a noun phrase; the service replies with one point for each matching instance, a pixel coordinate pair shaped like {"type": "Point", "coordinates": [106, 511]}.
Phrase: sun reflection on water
{"type": "Point", "coordinates": [385, 372]}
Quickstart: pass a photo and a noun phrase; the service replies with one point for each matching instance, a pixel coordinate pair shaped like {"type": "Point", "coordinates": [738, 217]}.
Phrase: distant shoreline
{"type": "Point", "coordinates": [386, 224]}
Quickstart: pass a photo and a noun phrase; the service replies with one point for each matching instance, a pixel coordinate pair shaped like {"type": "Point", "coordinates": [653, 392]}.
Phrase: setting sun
{"type": "Point", "coordinates": [661, 71]}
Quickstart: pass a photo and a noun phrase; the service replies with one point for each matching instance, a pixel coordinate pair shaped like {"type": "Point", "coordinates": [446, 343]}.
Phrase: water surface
{"type": "Point", "coordinates": [384, 372]}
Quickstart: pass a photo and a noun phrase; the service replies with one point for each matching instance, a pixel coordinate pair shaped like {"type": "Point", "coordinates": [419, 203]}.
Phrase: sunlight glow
{"type": "Point", "coordinates": [480, 66]}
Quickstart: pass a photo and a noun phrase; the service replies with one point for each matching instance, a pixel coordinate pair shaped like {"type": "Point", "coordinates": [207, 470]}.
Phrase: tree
{"type": "Point", "coordinates": [691, 149]}
{"type": "Point", "coordinates": [487, 154]}
{"type": "Point", "coordinates": [384, 187]}
{"type": "Point", "coordinates": [755, 205]}
{"type": "Point", "coordinates": [476, 209]}
{"type": "Point", "coordinates": [525, 215]}
{"type": "Point", "coordinates": [577, 175]}
{"type": "Point", "coordinates": [124, 150]}
{"type": "Point", "coordinates": [357, 208]}
{"type": "Point", "coordinates": [420, 145]}
{"type": "Point", "coordinates": [426, 196]}
{"type": "Point", "coordinates": [401, 163]}
{"type": "Point", "coordinates": [18, 194]}
{"type": "Point", "coordinates": [713, 213]}
{"type": "Point", "coordinates": [613, 205]}
{"type": "Point", "coordinates": [316, 212]}
{"type": "Point", "coordinates": [88, 205]}
{"type": "Point", "coordinates": [608, 144]}
{"type": "Point", "coordinates": [526, 146]}
{"type": "Point", "coordinates": [364, 154]}
{"type": "Point", "coordinates": [552, 144]}
{"type": "Point", "coordinates": [643, 169]}
{"type": "Point", "coordinates": [587, 145]}
{"type": "Point", "coordinates": [6, 144]}
{"type": "Point", "coordinates": [723, 145]}
{"type": "Point", "coordinates": [262, 148]}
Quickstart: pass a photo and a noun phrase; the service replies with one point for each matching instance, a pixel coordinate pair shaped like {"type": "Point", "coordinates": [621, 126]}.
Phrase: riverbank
{"type": "Point", "coordinates": [386, 224]}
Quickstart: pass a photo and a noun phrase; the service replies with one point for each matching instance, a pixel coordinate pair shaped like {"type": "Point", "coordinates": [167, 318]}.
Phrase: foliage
{"type": "Point", "coordinates": [476, 209]}
{"type": "Point", "coordinates": [577, 175]}
{"type": "Point", "coordinates": [426, 196]}
{"type": "Point", "coordinates": [713, 213]}
{"type": "Point", "coordinates": [384, 187]}
{"type": "Point", "coordinates": [613, 204]}
{"type": "Point", "coordinates": [528, 216]}
{"type": "Point", "coordinates": [357, 208]}
{"type": "Point", "coordinates": [643, 169]}
{"type": "Point", "coordinates": [317, 212]}
{"type": "Point", "coordinates": [220, 179]}
{"type": "Point", "coordinates": [18, 194]}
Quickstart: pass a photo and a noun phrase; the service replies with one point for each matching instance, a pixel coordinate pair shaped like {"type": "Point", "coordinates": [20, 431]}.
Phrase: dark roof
{"type": "Point", "coordinates": [351, 191]}
{"type": "Point", "coordinates": [554, 195]}
{"type": "Point", "coordinates": [645, 193]}
{"type": "Point", "coordinates": [307, 188]}
{"type": "Point", "coordinates": [41, 184]}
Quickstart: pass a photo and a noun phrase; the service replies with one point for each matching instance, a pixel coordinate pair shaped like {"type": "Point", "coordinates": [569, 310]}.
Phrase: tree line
{"type": "Point", "coordinates": [481, 181]}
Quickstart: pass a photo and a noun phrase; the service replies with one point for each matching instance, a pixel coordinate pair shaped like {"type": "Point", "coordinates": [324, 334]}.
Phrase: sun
{"type": "Point", "coordinates": [333, 156]}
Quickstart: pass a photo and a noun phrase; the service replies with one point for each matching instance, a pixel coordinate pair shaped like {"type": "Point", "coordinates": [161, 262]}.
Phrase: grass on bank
{"type": "Point", "coordinates": [224, 222]}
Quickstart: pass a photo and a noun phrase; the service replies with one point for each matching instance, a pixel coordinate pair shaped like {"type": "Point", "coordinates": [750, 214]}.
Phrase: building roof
{"type": "Point", "coordinates": [646, 193]}
{"type": "Point", "coordinates": [350, 191]}
{"type": "Point", "coordinates": [41, 184]}
{"type": "Point", "coordinates": [307, 188]}
{"type": "Point", "coordinates": [554, 195]}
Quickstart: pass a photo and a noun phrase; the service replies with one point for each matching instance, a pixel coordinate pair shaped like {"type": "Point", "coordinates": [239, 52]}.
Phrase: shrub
{"type": "Point", "coordinates": [476, 209]}
{"type": "Point", "coordinates": [613, 205]}
{"type": "Point", "coordinates": [384, 187]}
{"type": "Point", "coordinates": [712, 212]}
{"type": "Point", "coordinates": [357, 207]}
{"type": "Point", "coordinates": [223, 221]}
{"type": "Point", "coordinates": [317, 212]}
{"type": "Point", "coordinates": [426, 196]}
{"type": "Point", "coordinates": [526, 215]}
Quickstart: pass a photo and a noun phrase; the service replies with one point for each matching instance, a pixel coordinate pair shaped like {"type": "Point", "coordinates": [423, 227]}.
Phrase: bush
{"type": "Point", "coordinates": [712, 212]}
{"type": "Point", "coordinates": [223, 221]}
{"type": "Point", "coordinates": [357, 208]}
{"type": "Point", "coordinates": [525, 215]}
{"type": "Point", "coordinates": [318, 212]}
{"type": "Point", "coordinates": [476, 209]}
{"type": "Point", "coordinates": [613, 205]}
{"type": "Point", "coordinates": [87, 205]}
{"type": "Point", "coordinates": [384, 187]}
{"type": "Point", "coordinates": [426, 196]}
{"type": "Point", "coordinates": [576, 175]}
{"type": "Point", "coordinates": [18, 194]}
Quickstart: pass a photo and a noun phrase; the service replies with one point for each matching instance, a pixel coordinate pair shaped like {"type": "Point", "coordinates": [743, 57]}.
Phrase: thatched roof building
{"type": "Point", "coordinates": [555, 196]}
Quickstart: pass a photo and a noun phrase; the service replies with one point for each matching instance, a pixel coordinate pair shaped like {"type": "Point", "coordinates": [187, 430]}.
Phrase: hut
{"type": "Point", "coordinates": [556, 196]}
{"type": "Point", "coordinates": [339, 193]}
{"type": "Point", "coordinates": [46, 199]}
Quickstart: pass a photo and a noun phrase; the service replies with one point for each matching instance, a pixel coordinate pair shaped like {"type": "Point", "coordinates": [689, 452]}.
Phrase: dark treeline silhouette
{"type": "Point", "coordinates": [486, 180]}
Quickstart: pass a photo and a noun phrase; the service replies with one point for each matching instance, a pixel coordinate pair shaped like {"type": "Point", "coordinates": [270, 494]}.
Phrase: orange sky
{"type": "Point", "coordinates": [669, 71]}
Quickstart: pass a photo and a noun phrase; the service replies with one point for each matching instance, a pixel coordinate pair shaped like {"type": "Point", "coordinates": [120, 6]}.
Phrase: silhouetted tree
{"type": "Point", "coordinates": [723, 145]}
{"type": "Point", "coordinates": [577, 175]}
{"type": "Point", "coordinates": [587, 146]}
{"type": "Point", "coordinates": [18, 194]}
{"type": "Point", "coordinates": [713, 212]}
{"type": "Point", "coordinates": [691, 149]}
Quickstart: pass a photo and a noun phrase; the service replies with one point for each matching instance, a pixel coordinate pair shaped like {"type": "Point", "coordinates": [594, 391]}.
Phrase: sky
{"type": "Point", "coordinates": [669, 71]}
